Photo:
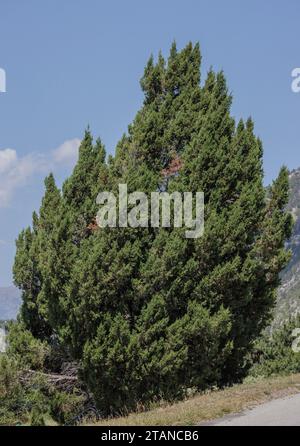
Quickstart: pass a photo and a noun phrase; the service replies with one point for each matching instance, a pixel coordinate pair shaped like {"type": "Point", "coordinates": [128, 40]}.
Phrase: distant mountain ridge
{"type": "Point", "coordinates": [288, 301]}
{"type": "Point", "coordinates": [10, 301]}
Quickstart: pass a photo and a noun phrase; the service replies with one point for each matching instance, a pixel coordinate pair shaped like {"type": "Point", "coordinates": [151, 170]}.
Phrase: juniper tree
{"type": "Point", "coordinates": [27, 277]}
{"type": "Point", "coordinates": [224, 276]}
{"type": "Point", "coordinates": [75, 223]}
{"type": "Point", "coordinates": [48, 213]}
{"type": "Point", "coordinates": [31, 267]}
{"type": "Point", "coordinates": [114, 257]}
{"type": "Point", "coordinates": [147, 311]}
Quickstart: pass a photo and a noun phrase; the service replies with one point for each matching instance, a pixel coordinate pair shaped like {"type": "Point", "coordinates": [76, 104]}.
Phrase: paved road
{"type": "Point", "coordinates": [281, 412]}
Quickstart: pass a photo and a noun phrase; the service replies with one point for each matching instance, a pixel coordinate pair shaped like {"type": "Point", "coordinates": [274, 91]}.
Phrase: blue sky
{"type": "Point", "coordinates": [70, 63]}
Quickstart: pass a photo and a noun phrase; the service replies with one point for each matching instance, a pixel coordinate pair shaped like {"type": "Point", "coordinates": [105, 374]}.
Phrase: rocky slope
{"type": "Point", "coordinates": [288, 301]}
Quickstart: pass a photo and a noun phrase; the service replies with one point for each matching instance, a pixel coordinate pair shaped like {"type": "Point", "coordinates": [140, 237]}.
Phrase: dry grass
{"type": "Point", "coordinates": [215, 404]}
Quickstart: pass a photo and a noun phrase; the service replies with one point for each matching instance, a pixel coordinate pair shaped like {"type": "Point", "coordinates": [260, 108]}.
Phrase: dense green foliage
{"type": "Point", "coordinates": [274, 355]}
{"type": "Point", "coordinates": [32, 401]}
{"type": "Point", "coordinates": [26, 397]}
{"type": "Point", "coordinates": [145, 311]}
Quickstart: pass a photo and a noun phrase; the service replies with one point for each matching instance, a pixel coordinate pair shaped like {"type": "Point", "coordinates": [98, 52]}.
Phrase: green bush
{"type": "Point", "coordinates": [32, 401]}
{"type": "Point", "coordinates": [273, 354]}
{"type": "Point", "coordinates": [14, 403]}
{"type": "Point", "coordinates": [30, 352]}
{"type": "Point", "coordinates": [37, 417]}
{"type": "Point", "coordinates": [64, 407]}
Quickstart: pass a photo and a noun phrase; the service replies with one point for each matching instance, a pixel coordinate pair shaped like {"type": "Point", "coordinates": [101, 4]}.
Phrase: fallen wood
{"type": "Point", "coordinates": [64, 382]}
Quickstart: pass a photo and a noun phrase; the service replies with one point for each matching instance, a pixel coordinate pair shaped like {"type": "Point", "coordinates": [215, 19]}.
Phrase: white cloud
{"type": "Point", "coordinates": [16, 171]}
{"type": "Point", "coordinates": [8, 157]}
{"type": "Point", "coordinates": [67, 152]}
